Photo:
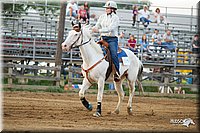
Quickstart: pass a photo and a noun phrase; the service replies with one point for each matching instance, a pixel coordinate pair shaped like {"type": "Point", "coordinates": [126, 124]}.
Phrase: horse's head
{"type": "Point", "coordinates": [74, 37]}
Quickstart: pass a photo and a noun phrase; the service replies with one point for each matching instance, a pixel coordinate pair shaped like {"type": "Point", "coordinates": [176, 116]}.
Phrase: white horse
{"type": "Point", "coordinates": [94, 68]}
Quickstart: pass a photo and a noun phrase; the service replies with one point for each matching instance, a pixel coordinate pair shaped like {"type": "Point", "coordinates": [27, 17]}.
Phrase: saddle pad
{"type": "Point", "coordinates": [121, 54]}
{"type": "Point", "coordinates": [125, 61]}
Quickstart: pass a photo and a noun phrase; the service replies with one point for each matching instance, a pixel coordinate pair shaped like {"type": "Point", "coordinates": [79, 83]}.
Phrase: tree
{"type": "Point", "coordinates": [58, 59]}
{"type": "Point", "coordinates": [18, 9]}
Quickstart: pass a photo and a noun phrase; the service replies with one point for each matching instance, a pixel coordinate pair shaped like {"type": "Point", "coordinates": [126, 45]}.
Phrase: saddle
{"type": "Point", "coordinates": [111, 66]}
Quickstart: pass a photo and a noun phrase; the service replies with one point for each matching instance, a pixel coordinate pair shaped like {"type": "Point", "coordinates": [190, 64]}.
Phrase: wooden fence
{"type": "Point", "coordinates": [11, 73]}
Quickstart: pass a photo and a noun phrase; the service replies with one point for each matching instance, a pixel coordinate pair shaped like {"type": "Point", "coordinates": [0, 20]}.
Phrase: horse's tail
{"type": "Point", "coordinates": [139, 76]}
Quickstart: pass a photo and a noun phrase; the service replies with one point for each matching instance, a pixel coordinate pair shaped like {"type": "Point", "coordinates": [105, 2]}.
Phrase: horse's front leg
{"type": "Point", "coordinates": [99, 97]}
{"type": "Point", "coordinates": [86, 84]}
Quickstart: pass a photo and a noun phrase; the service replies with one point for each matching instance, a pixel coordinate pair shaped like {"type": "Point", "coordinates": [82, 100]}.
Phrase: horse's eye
{"type": "Point", "coordinates": [76, 34]}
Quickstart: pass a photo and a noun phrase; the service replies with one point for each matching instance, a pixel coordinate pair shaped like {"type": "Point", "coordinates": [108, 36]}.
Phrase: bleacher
{"type": "Point", "coordinates": [33, 29]}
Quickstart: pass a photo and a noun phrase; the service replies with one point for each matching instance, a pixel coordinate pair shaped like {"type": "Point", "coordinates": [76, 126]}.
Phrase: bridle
{"type": "Point", "coordinates": [81, 35]}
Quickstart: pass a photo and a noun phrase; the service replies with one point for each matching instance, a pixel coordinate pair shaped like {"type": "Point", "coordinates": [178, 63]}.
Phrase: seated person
{"type": "Point", "coordinates": [156, 39]}
{"type": "Point", "coordinates": [144, 16]}
{"type": "Point", "coordinates": [196, 44]}
{"type": "Point", "coordinates": [144, 43]}
{"type": "Point", "coordinates": [82, 15]}
{"type": "Point", "coordinates": [121, 40]}
{"type": "Point", "coordinates": [168, 41]}
{"type": "Point", "coordinates": [132, 44]}
{"type": "Point", "coordinates": [72, 9]}
{"type": "Point", "coordinates": [159, 17]}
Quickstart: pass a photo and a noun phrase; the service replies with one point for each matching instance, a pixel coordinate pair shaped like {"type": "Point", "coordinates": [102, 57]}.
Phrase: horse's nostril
{"type": "Point", "coordinates": [65, 45]}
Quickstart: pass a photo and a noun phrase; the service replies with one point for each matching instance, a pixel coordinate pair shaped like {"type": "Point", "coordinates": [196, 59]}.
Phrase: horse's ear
{"type": "Point", "coordinates": [72, 23]}
{"type": "Point", "coordinates": [79, 25]}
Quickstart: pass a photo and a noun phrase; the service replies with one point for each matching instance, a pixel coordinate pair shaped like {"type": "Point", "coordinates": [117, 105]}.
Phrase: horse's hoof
{"type": "Point", "coordinates": [129, 110]}
{"type": "Point", "coordinates": [89, 107]}
{"type": "Point", "coordinates": [97, 114]}
{"type": "Point", "coordinates": [116, 112]}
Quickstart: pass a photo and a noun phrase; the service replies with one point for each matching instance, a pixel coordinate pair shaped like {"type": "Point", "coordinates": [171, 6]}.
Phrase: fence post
{"type": "Point", "coordinates": [58, 67]}
{"type": "Point", "coordinates": [175, 58]}
{"type": "Point", "coordinates": [70, 76]}
{"type": "Point", "coordinates": [70, 68]}
{"type": "Point", "coordinates": [10, 73]}
{"type": "Point", "coordinates": [191, 17]}
{"type": "Point", "coordinates": [34, 49]}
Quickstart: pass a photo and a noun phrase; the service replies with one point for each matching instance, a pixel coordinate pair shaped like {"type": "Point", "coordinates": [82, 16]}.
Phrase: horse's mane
{"type": "Point", "coordinates": [96, 46]}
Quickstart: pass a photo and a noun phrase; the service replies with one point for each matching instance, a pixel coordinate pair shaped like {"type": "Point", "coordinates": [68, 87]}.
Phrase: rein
{"type": "Point", "coordinates": [90, 68]}
{"type": "Point", "coordinates": [72, 46]}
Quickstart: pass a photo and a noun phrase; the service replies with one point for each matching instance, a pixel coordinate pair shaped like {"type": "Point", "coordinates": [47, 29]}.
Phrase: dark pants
{"type": "Point", "coordinates": [168, 45]}
{"type": "Point", "coordinates": [145, 20]}
{"type": "Point", "coordinates": [134, 19]}
{"type": "Point", "coordinates": [113, 47]}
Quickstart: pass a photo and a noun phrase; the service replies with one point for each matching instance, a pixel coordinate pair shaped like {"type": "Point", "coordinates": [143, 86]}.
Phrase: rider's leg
{"type": "Point", "coordinates": [113, 47]}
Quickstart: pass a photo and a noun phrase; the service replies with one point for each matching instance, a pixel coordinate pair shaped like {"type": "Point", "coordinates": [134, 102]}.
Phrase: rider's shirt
{"type": "Point", "coordinates": [108, 24]}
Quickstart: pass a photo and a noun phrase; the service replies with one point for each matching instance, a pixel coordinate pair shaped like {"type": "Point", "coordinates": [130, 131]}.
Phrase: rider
{"type": "Point", "coordinates": [107, 26]}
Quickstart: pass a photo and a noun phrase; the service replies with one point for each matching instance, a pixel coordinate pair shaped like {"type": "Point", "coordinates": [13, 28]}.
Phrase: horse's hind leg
{"type": "Point", "coordinates": [131, 94]}
{"type": "Point", "coordinates": [83, 88]}
{"type": "Point", "coordinates": [120, 92]}
{"type": "Point", "coordinates": [140, 87]}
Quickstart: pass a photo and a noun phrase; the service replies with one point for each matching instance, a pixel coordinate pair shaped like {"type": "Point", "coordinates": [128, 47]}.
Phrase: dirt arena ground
{"type": "Point", "coordinates": [42, 111]}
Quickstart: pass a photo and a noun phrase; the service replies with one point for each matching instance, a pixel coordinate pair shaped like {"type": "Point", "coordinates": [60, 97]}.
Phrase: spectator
{"type": "Point", "coordinates": [156, 39]}
{"type": "Point", "coordinates": [72, 9]}
{"type": "Point", "coordinates": [144, 43]}
{"type": "Point", "coordinates": [135, 12]}
{"type": "Point", "coordinates": [196, 44]}
{"type": "Point", "coordinates": [159, 17]}
{"type": "Point", "coordinates": [132, 44]}
{"type": "Point", "coordinates": [87, 8]}
{"type": "Point", "coordinates": [121, 40]}
{"type": "Point", "coordinates": [168, 41]}
{"type": "Point", "coordinates": [82, 15]}
{"type": "Point", "coordinates": [144, 16]}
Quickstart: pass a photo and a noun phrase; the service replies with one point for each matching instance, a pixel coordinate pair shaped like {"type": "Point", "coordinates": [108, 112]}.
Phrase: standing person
{"type": "Point", "coordinates": [107, 25]}
{"type": "Point", "coordinates": [135, 12]}
{"type": "Point", "coordinates": [159, 17]}
{"type": "Point", "coordinates": [121, 40]}
{"type": "Point", "coordinates": [72, 9]}
{"type": "Point", "coordinates": [144, 16]}
{"type": "Point", "coordinates": [132, 44]}
{"type": "Point", "coordinates": [87, 8]}
{"type": "Point", "coordinates": [196, 44]}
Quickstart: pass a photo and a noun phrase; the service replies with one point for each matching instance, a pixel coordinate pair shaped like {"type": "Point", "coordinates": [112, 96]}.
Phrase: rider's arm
{"type": "Point", "coordinates": [112, 26]}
